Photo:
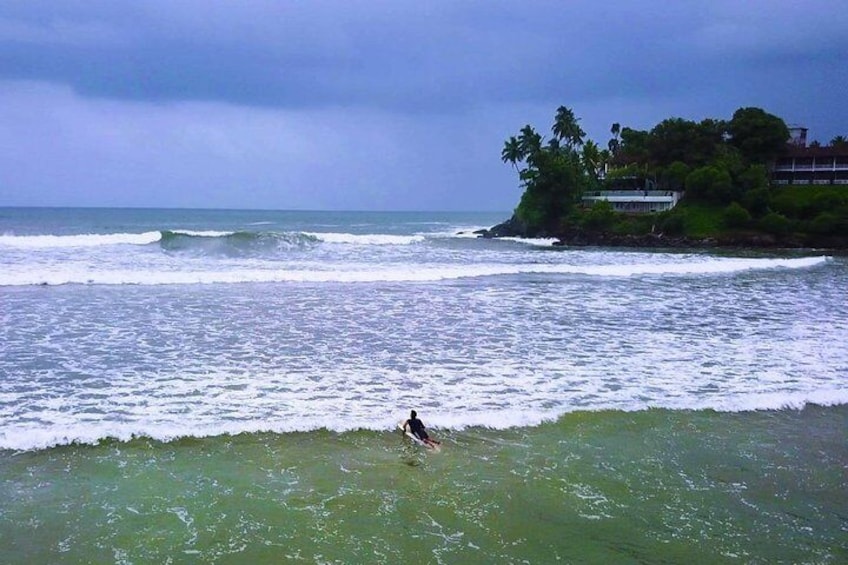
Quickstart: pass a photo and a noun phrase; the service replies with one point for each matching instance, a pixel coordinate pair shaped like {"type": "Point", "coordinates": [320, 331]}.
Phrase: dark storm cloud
{"type": "Point", "coordinates": [407, 56]}
{"type": "Point", "coordinates": [391, 104]}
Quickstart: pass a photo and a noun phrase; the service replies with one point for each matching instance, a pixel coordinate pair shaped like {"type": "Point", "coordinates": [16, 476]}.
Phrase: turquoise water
{"type": "Point", "coordinates": [658, 486]}
{"type": "Point", "coordinates": [224, 387]}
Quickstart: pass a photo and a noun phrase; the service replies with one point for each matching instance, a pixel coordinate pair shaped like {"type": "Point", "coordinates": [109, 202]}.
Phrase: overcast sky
{"type": "Point", "coordinates": [375, 105]}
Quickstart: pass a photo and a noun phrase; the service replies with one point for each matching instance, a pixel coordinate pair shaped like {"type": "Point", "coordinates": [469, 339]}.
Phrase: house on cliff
{"type": "Point", "coordinates": [801, 164]}
{"type": "Point", "coordinates": [634, 195]}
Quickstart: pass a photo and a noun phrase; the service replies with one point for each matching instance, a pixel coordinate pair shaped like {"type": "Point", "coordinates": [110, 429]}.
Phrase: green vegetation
{"type": "Point", "coordinates": [721, 166]}
{"type": "Point", "coordinates": [554, 174]}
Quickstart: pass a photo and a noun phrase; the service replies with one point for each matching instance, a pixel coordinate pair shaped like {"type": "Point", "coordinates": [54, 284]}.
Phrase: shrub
{"type": "Point", "coordinates": [735, 216]}
{"type": "Point", "coordinates": [600, 217]}
{"type": "Point", "coordinates": [673, 223]}
{"type": "Point", "coordinates": [775, 223]}
{"type": "Point", "coordinates": [709, 184]}
{"type": "Point", "coordinates": [757, 201]}
{"type": "Point", "coordinates": [825, 223]}
{"type": "Point", "coordinates": [827, 202]}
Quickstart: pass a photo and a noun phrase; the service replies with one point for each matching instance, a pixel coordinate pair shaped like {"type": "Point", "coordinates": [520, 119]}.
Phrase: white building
{"type": "Point", "coordinates": [635, 201]}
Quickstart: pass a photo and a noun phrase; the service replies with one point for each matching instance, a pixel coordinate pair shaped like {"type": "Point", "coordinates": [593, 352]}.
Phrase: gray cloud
{"type": "Point", "coordinates": [389, 104]}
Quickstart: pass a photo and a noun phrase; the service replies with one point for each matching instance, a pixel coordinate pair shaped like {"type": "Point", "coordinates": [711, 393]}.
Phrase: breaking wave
{"type": "Point", "coordinates": [363, 273]}
{"type": "Point", "coordinates": [185, 239]}
{"type": "Point", "coordinates": [79, 240]}
{"type": "Point", "coordinates": [29, 437]}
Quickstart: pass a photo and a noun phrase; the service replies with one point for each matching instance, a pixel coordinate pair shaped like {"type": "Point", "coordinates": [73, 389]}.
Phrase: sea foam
{"type": "Point", "coordinates": [80, 240]}
{"type": "Point", "coordinates": [25, 275]}
{"type": "Point", "coordinates": [29, 437]}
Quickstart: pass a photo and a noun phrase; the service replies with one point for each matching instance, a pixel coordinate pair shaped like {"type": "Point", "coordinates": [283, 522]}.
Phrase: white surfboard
{"type": "Point", "coordinates": [414, 438]}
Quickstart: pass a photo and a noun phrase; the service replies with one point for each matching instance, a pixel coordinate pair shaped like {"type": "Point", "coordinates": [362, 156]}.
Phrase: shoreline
{"type": "Point", "coordinates": [729, 240]}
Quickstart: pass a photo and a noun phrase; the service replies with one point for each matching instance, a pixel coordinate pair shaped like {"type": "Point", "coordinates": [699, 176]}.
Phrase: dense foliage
{"type": "Point", "coordinates": [554, 174]}
{"type": "Point", "coordinates": [721, 166]}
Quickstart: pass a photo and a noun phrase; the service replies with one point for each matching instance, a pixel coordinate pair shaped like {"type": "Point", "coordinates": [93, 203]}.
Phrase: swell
{"type": "Point", "coordinates": [32, 438]}
{"type": "Point", "coordinates": [179, 239]}
{"type": "Point", "coordinates": [279, 272]}
{"type": "Point", "coordinates": [236, 243]}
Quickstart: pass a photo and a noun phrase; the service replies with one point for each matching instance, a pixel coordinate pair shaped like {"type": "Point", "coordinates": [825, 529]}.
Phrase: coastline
{"type": "Point", "coordinates": [577, 237]}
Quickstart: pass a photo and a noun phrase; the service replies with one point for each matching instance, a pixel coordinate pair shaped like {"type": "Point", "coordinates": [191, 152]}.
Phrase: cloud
{"type": "Point", "coordinates": [382, 104]}
{"type": "Point", "coordinates": [130, 153]}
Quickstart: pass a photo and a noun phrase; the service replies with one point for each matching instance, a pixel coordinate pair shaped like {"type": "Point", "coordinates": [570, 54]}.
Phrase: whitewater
{"type": "Point", "coordinates": [169, 324]}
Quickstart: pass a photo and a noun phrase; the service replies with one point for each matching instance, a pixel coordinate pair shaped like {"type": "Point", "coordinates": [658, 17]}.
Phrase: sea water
{"type": "Point", "coordinates": [224, 387]}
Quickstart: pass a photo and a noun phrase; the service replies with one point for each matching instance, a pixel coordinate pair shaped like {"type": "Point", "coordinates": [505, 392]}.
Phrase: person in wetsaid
{"type": "Point", "coordinates": [416, 426]}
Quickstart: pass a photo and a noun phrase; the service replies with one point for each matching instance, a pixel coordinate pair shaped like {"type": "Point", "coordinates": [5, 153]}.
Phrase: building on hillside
{"type": "Point", "coordinates": [810, 165]}
{"type": "Point", "coordinates": [634, 195]}
{"type": "Point", "coordinates": [798, 136]}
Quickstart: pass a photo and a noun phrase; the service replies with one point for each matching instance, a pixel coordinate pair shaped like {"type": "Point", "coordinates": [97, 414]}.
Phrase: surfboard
{"type": "Point", "coordinates": [416, 441]}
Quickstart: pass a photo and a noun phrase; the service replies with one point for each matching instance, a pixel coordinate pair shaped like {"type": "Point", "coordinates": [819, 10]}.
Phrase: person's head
{"type": "Point", "coordinates": [413, 414]}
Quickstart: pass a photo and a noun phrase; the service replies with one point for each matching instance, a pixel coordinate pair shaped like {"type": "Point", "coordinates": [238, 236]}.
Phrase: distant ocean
{"type": "Point", "coordinates": [181, 386]}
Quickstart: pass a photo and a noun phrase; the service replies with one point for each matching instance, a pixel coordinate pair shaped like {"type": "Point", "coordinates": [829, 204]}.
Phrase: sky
{"type": "Point", "coordinates": [375, 105]}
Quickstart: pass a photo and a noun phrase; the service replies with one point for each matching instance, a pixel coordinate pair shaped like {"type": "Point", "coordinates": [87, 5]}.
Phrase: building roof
{"type": "Point", "coordinates": [825, 151]}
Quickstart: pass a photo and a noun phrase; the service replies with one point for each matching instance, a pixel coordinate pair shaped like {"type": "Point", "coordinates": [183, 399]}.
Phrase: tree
{"type": "Point", "coordinates": [839, 141]}
{"type": "Point", "coordinates": [615, 143]}
{"type": "Point", "coordinates": [758, 135]}
{"type": "Point", "coordinates": [512, 152]}
{"type": "Point", "coordinates": [592, 159]}
{"type": "Point", "coordinates": [634, 145]}
{"type": "Point", "coordinates": [682, 140]}
{"type": "Point", "coordinates": [529, 141]}
{"type": "Point", "coordinates": [674, 176]}
{"type": "Point", "coordinates": [711, 184]}
{"type": "Point", "coordinates": [553, 174]}
{"type": "Point", "coordinates": [566, 128]}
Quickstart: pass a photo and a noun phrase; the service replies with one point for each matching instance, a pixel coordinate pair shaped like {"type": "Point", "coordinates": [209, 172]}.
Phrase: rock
{"type": "Point", "coordinates": [510, 228]}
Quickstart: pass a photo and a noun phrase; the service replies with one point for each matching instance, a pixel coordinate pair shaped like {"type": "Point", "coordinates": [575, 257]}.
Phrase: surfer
{"type": "Point", "coordinates": [416, 427]}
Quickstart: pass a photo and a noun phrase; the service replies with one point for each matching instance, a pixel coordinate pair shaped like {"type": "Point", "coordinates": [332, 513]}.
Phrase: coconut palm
{"type": "Point", "coordinates": [529, 141]}
{"type": "Point", "coordinates": [592, 158]}
{"type": "Point", "coordinates": [566, 127]}
{"type": "Point", "coordinates": [615, 142]}
{"type": "Point", "coordinates": [512, 152]}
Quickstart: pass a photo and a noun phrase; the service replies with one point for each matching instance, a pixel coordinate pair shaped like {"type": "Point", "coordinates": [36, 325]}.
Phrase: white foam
{"type": "Point", "coordinates": [203, 233]}
{"type": "Point", "coordinates": [366, 239]}
{"type": "Point", "coordinates": [196, 423]}
{"type": "Point", "coordinates": [536, 242]}
{"type": "Point", "coordinates": [80, 240]}
{"type": "Point", "coordinates": [25, 275]}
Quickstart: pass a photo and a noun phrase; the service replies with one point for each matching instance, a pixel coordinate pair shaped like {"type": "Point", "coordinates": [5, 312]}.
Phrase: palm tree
{"type": "Point", "coordinates": [839, 141]}
{"type": "Point", "coordinates": [592, 158]}
{"type": "Point", "coordinates": [512, 152]}
{"type": "Point", "coordinates": [566, 127]}
{"type": "Point", "coordinates": [615, 129]}
{"type": "Point", "coordinates": [529, 141]}
{"type": "Point", "coordinates": [615, 142]}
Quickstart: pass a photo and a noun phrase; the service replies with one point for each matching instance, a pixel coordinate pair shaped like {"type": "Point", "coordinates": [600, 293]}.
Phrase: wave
{"type": "Point", "coordinates": [79, 240]}
{"type": "Point", "coordinates": [31, 437]}
{"type": "Point", "coordinates": [183, 238]}
{"type": "Point", "coordinates": [233, 243]}
{"type": "Point", "coordinates": [409, 273]}
{"type": "Point", "coordinates": [366, 239]}
{"type": "Point", "coordinates": [536, 242]}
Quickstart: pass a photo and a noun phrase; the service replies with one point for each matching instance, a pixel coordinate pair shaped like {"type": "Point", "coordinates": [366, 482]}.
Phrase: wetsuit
{"type": "Point", "coordinates": [416, 426]}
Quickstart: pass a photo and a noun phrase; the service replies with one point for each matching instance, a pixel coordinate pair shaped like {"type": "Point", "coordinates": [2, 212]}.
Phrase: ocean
{"type": "Point", "coordinates": [224, 386]}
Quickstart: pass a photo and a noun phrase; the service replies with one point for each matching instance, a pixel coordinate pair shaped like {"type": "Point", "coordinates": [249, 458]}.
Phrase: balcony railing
{"type": "Point", "coordinates": [829, 165]}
